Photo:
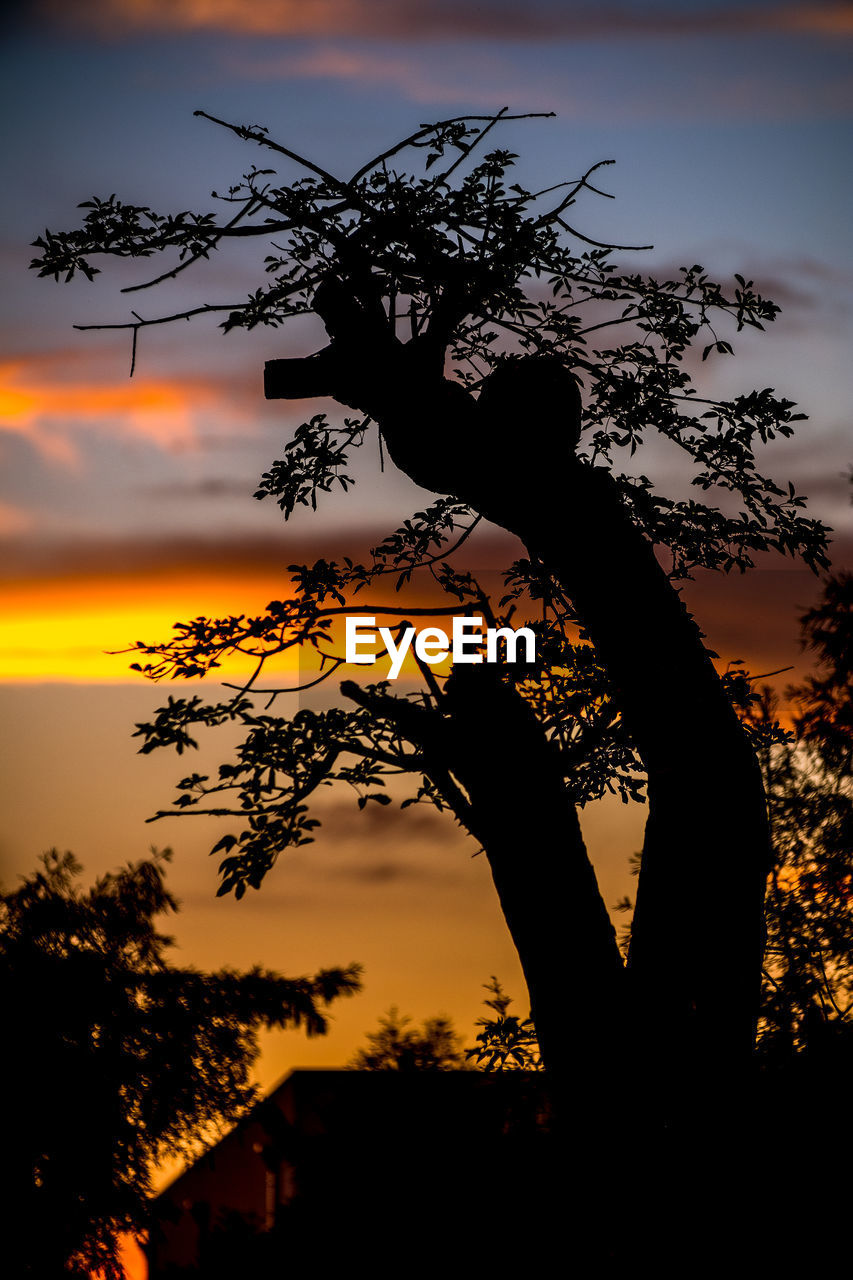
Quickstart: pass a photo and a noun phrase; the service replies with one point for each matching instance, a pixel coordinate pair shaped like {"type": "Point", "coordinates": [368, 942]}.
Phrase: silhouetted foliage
{"type": "Point", "coordinates": [825, 700]}
{"type": "Point", "coordinates": [398, 1046]}
{"type": "Point", "coordinates": [808, 988]}
{"type": "Point", "coordinates": [505, 1042]}
{"type": "Point", "coordinates": [461, 311]}
{"type": "Point", "coordinates": [114, 1058]}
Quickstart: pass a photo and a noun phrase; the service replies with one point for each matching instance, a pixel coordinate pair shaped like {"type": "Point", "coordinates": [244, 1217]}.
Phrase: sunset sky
{"type": "Point", "coordinates": [127, 504]}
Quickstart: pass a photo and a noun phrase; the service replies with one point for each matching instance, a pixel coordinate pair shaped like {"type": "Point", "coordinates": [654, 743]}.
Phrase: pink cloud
{"type": "Point", "coordinates": [491, 81]}
{"type": "Point", "coordinates": [41, 403]}
{"type": "Point", "coordinates": [417, 82]}
{"type": "Point", "coordinates": [442, 19]}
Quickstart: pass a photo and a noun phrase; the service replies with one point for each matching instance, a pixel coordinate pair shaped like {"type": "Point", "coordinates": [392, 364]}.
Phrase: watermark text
{"type": "Point", "coordinates": [433, 645]}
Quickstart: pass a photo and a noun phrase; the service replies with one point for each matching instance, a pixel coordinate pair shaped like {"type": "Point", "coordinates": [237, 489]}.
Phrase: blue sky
{"type": "Point", "coordinates": [729, 125]}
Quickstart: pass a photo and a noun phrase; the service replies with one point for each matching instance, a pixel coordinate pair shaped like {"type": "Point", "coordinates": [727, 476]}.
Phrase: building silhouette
{"type": "Point", "coordinates": [348, 1160]}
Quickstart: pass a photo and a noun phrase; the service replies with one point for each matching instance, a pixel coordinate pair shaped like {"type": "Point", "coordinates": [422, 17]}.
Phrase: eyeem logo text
{"type": "Point", "coordinates": [432, 645]}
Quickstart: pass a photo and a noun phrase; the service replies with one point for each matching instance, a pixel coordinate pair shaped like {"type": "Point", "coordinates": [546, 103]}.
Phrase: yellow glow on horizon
{"type": "Point", "coordinates": [75, 629]}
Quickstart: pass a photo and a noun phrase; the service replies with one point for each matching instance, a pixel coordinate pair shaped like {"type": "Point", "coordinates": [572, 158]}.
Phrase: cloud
{"type": "Point", "coordinates": [386, 873]}
{"type": "Point", "coordinates": [488, 78]}
{"type": "Point", "coordinates": [460, 20]}
{"type": "Point", "coordinates": [80, 557]}
{"type": "Point", "coordinates": [213, 488]}
{"type": "Point", "coordinates": [84, 558]}
{"type": "Point", "coordinates": [416, 81]}
{"type": "Point", "coordinates": [48, 408]}
{"type": "Point", "coordinates": [394, 847]}
{"type": "Point", "coordinates": [342, 821]}
{"type": "Point", "coordinates": [819, 288]}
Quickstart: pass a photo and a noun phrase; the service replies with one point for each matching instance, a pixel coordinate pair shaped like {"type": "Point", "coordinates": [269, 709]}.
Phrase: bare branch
{"type": "Point", "coordinates": [465, 150]}
{"type": "Point", "coordinates": [570, 195]}
{"type": "Point", "coordinates": [426, 129]}
{"type": "Point", "coordinates": [206, 309]}
{"type": "Point", "coordinates": [249, 686]}
{"type": "Point", "coordinates": [599, 244]}
{"type": "Point", "coordinates": [252, 135]}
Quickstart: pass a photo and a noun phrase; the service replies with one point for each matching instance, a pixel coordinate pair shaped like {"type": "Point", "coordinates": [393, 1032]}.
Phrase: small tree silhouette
{"type": "Point", "coordinates": [398, 1046]}
{"type": "Point", "coordinates": [114, 1058]}
{"type": "Point", "coordinates": [505, 1042]}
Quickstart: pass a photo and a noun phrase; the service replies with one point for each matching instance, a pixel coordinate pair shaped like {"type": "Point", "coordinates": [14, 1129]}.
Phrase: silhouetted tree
{"type": "Point", "coordinates": [808, 988]}
{"type": "Point", "coordinates": [459, 312]}
{"type": "Point", "coordinates": [398, 1046]}
{"type": "Point", "coordinates": [114, 1058]}
{"type": "Point", "coordinates": [505, 1042]}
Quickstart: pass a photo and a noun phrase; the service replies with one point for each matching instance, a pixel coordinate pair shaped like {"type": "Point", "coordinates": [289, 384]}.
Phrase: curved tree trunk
{"type": "Point", "coordinates": [698, 934]}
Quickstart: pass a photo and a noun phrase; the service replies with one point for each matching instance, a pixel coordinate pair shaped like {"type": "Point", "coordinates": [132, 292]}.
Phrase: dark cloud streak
{"type": "Point", "coordinates": [83, 557]}
{"type": "Point", "coordinates": [459, 20]}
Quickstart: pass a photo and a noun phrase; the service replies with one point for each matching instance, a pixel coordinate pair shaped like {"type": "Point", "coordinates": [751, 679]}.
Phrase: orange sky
{"type": "Point", "coordinates": [69, 628]}
{"type": "Point", "coordinates": [76, 627]}
{"type": "Point", "coordinates": [132, 1259]}
{"type": "Point", "coordinates": [72, 626]}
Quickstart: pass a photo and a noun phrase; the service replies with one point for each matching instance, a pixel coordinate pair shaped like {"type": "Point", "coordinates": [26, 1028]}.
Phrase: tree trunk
{"type": "Point", "coordinates": [698, 938]}
{"type": "Point", "coordinates": [698, 934]}
{"type": "Point", "coordinates": [543, 876]}
{"type": "Point", "coordinates": [486, 740]}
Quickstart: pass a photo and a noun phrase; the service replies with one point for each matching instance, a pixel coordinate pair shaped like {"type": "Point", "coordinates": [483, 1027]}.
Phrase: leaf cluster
{"type": "Point", "coordinates": [808, 979]}
{"type": "Point", "coordinates": [505, 1041]}
{"type": "Point", "coordinates": [116, 229]}
{"type": "Point", "coordinates": [281, 763]}
{"type": "Point", "coordinates": [469, 261]}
